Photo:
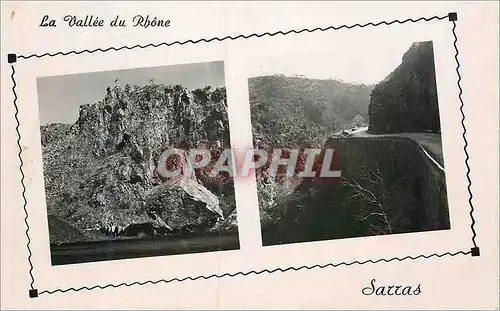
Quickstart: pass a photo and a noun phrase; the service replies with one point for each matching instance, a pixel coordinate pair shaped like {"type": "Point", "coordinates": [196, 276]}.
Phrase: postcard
{"type": "Point", "coordinates": [222, 155]}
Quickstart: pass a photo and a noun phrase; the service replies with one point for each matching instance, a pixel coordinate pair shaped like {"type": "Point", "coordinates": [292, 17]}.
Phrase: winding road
{"type": "Point", "coordinates": [430, 143]}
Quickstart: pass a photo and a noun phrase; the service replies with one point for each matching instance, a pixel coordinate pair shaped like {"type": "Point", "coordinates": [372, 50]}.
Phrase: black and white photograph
{"type": "Point", "coordinates": [249, 155]}
{"type": "Point", "coordinates": [106, 138]}
{"type": "Point", "coordinates": [377, 110]}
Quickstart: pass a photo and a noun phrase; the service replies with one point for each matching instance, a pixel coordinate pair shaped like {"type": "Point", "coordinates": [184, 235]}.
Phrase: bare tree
{"type": "Point", "coordinates": [369, 189]}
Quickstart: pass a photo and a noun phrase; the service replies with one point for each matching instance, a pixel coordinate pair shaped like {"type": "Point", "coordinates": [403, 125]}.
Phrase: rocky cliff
{"type": "Point", "coordinates": [100, 172]}
{"type": "Point", "coordinates": [389, 184]}
{"type": "Point", "coordinates": [406, 100]}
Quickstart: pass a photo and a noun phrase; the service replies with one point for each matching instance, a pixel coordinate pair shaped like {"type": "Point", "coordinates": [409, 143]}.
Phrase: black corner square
{"type": "Point", "coordinates": [33, 293]}
{"type": "Point", "coordinates": [474, 251]}
{"type": "Point", "coordinates": [452, 16]}
{"type": "Point", "coordinates": [11, 58]}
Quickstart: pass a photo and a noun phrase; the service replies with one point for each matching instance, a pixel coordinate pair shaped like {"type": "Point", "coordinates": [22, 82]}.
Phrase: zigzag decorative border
{"type": "Point", "coordinates": [474, 251]}
{"type": "Point", "coordinates": [22, 176]}
{"type": "Point", "coordinates": [255, 272]}
{"type": "Point", "coordinates": [234, 38]}
{"type": "Point", "coordinates": [465, 140]}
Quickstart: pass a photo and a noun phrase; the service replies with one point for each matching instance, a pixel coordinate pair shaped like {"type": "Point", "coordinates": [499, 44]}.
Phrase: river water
{"type": "Point", "coordinates": [146, 247]}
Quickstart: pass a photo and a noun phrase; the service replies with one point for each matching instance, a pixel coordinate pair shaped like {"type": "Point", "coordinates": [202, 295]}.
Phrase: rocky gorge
{"type": "Point", "coordinates": [393, 178]}
{"type": "Point", "coordinates": [101, 176]}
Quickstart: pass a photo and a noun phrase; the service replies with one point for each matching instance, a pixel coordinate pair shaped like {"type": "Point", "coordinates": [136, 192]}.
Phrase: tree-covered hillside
{"type": "Point", "coordinates": [296, 111]}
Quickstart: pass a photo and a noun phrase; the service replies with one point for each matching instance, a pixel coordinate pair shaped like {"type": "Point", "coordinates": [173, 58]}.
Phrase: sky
{"type": "Point", "coordinates": [59, 97]}
{"type": "Point", "coordinates": [366, 61]}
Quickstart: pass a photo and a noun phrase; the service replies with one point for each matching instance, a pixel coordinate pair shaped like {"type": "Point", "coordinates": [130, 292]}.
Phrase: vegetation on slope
{"type": "Point", "coordinates": [300, 112]}
{"type": "Point", "coordinates": [406, 101]}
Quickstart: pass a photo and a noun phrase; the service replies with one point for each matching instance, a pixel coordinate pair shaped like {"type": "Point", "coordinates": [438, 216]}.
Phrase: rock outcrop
{"type": "Point", "coordinates": [61, 231]}
{"type": "Point", "coordinates": [182, 204]}
{"type": "Point", "coordinates": [406, 100]}
{"type": "Point", "coordinates": [101, 172]}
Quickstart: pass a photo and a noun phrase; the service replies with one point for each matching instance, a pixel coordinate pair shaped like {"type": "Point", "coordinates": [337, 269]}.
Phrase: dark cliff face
{"type": "Point", "coordinates": [406, 101]}
{"type": "Point", "coordinates": [101, 171]}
